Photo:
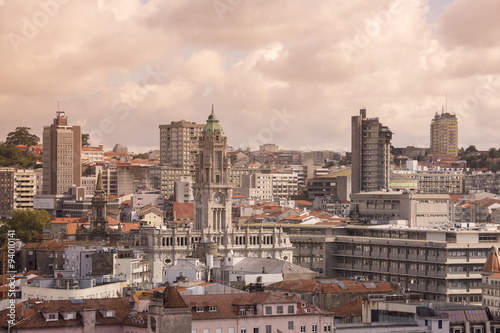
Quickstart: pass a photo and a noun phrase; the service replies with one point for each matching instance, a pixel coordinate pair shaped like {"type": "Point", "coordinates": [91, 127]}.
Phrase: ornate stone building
{"type": "Point", "coordinates": [213, 232]}
{"type": "Point", "coordinates": [99, 229]}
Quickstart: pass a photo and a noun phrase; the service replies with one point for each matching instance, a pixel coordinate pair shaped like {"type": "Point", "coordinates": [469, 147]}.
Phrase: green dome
{"type": "Point", "coordinates": [212, 127]}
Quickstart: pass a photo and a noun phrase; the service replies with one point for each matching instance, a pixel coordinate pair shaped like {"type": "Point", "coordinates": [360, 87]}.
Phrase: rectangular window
{"type": "Point", "coordinates": [255, 330]}
{"type": "Point", "coordinates": [279, 309]}
{"type": "Point", "coordinates": [206, 330]}
{"type": "Point", "coordinates": [290, 325]}
{"type": "Point", "coordinates": [302, 328]}
{"type": "Point", "coordinates": [269, 328]}
{"type": "Point", "coordinates": [327, 327]}
{"type": "Point", "coordinates": [199, 309]}
{"type": "Point", "coordinates": [269, 310]}
{"type": "Point", "coordinates": [440, 324]}
{"type": "Point", "coordinates": [291, 309]}
{"type": "Point", "coordinates": [243, 330]}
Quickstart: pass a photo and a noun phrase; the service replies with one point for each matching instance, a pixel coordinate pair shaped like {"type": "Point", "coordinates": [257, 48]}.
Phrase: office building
{"type": "Point", "coordinates": [62, 145]}
{"type": "Point", "coordinates": [179, 144]}
{"type": "Point", "coordinates": [443, 262]}
{"type": "Point", "coordinates": [371, 155]}
{"type": "Point", "coordinates": [444, 134]}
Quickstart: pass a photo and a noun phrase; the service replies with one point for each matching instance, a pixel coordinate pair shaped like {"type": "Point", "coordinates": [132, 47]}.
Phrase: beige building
{"type": "Point", "coordinates": [17, 190]}
{"type": "Point", "coordinates": [371, 155]}
{"type": "Point", "coordinates": [62, 151]}
{"type": "Point", "coordinates": [418, 209]}
{"type": "Point", "coordinates": [179, 144]}
{"type": "Point", "coordinates": [59, 289]}
{"type": "Point", "coordinates": [444, 134]}
{"type": "Point", "coordinates": [442, 262]}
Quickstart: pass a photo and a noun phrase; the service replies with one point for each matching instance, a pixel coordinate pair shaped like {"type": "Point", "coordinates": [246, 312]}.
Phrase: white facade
{"type": "Point", "coordinates": [183, 189]}
{"type": "Point", "coordinates": [145, 197]}
{"type": "Point", "coordinates": [102, 291]}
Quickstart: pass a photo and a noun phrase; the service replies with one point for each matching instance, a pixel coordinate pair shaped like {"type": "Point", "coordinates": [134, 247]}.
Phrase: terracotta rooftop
{"type": "Point", "coordinates": [32, 317]}
{"type": "Point", "coordinates": [228, 305]}
{"type": "Point", "coordinates": [492, 263]}
{"type": "Point", "coordinates": [183, 210]}
{"type": "Point", "coordinates": [330, 286]}
{"type": "Point", "coordinates": [352, 309]}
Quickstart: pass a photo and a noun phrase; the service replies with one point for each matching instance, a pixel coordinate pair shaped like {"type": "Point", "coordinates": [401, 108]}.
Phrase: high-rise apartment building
{"type": "Point", "coordinates": [371, 154]}
{"type": "Point", "coordinates": [444, 134]}
{"type": "Point", "coordinates": [179, 144]}
{"type": "Point", "coordinates": [17, 189]}
{"type": "Point", "coordinates": [62, 151]}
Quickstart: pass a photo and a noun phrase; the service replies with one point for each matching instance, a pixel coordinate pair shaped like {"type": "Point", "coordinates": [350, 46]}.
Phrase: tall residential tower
{"type": "Point", "coordinates": [62, 151]}
{"type": "Point", "coordinates": [371, 154]}
{"type": "Point", "coordinates": [444, 134]}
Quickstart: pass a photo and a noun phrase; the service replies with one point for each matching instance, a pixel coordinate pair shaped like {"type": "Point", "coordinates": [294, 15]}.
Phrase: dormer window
{"type": "Point", "coordinates": [242, 311]}
{"type": "Point", "coordinates": [108, 313]}
{"type": "Point", "coordinates": [199, 309]}
{"type": "Point", "coordinates": [51, 316]}
{"type": "Point", "coordinates": [69, 315]}
{"type": "Point", "coordinates": [212, 309]}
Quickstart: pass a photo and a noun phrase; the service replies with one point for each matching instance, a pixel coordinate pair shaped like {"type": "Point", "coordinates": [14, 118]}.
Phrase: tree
{"type": "Point", "coordinates": [22, 136]}
{"type": "Point", "coordinates": [492, 153]}
{"type": "Point", "coordinates": [10, 156]}
{"type": "Point", "coordinates": [470, 149]}
{"type": "Point", "coordinates": [85, 139]}
{"type": "Point", "coordinates": [26, 223]}
{"type": "Point", "coordinates": [461, 151]}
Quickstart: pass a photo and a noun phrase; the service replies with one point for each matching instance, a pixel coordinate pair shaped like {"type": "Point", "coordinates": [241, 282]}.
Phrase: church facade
{"type": "Point", "coordinates": [213, 232]}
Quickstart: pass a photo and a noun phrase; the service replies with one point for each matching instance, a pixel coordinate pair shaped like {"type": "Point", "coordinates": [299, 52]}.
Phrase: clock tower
{"type": "Point", "coordinates": [212, 188]}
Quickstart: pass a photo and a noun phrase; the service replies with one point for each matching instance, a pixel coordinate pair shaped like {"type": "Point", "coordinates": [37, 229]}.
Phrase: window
{"type": "Point", "coordinates": [327, 327]}
{"type": "Point", "coordinates": [255, 330]}
{"type": "Point", "coordinates": [291, 309]}
{"type": "Point", "coordinates": [269, 310]}
{"type": "Point", "coordinates": [315, 328]}
{"type": "Point", "coordinates": [440, 324]}
{"type": "Point", "coordinates": [242, 311]}
{"type": "Point", "coordinates": [269, 328]}
{"type": "Point", "coordinates": [243, 330]}
{"type": "Point", "coordinates": [212, 309]}
{"type": "Point", "coordinates": [290, 325]}
{"type": "Point", "coordinates": [279, 309]}
{"type": "Point", "coordinates": [302, 328]}
{"type": "Point", "coordinates": [199, 309]}
{"type": "Point", "coordinates": [206, 330]}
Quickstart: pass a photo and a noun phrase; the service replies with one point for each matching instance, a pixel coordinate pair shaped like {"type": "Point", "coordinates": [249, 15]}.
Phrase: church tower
{"type": "Point", "coordinates": [99, 219]}
{"type": "Point", "coordinates": [212, 188]}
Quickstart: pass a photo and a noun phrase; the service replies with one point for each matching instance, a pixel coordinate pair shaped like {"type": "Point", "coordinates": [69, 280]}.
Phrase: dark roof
{"type": "Point", "coordinates": [34, 313]}
{"type": "Point", "coordinates": [228, 305]}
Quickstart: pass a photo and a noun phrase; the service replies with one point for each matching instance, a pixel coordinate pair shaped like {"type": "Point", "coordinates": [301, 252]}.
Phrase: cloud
{"type": "Point", "coordinates": [141, 64]}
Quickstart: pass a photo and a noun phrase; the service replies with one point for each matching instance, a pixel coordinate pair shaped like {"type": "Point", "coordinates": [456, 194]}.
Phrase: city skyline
{"type": "Point", "coordinates": [290, 74]}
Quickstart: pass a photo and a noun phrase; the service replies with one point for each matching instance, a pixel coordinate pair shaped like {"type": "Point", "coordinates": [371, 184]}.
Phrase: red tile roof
{"type": "Point", "coordinates": [34, 318]}
{"type": "Point", "coordinates": [227, 305]}
{"type": "Point", "coordinates": [183, 210]}
{"type": "Point", "coordinates": [352, 309]}
{"type": "Point", "coordinates": [331, 287]}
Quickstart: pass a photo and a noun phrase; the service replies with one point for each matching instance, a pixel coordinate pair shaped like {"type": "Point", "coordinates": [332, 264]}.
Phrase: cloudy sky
{"type": "Point", "coordinates": [288, 72]}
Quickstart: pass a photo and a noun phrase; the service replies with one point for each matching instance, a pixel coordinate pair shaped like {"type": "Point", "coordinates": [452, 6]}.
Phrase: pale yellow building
{"type": "Point", "coordinates": [444, 134]}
